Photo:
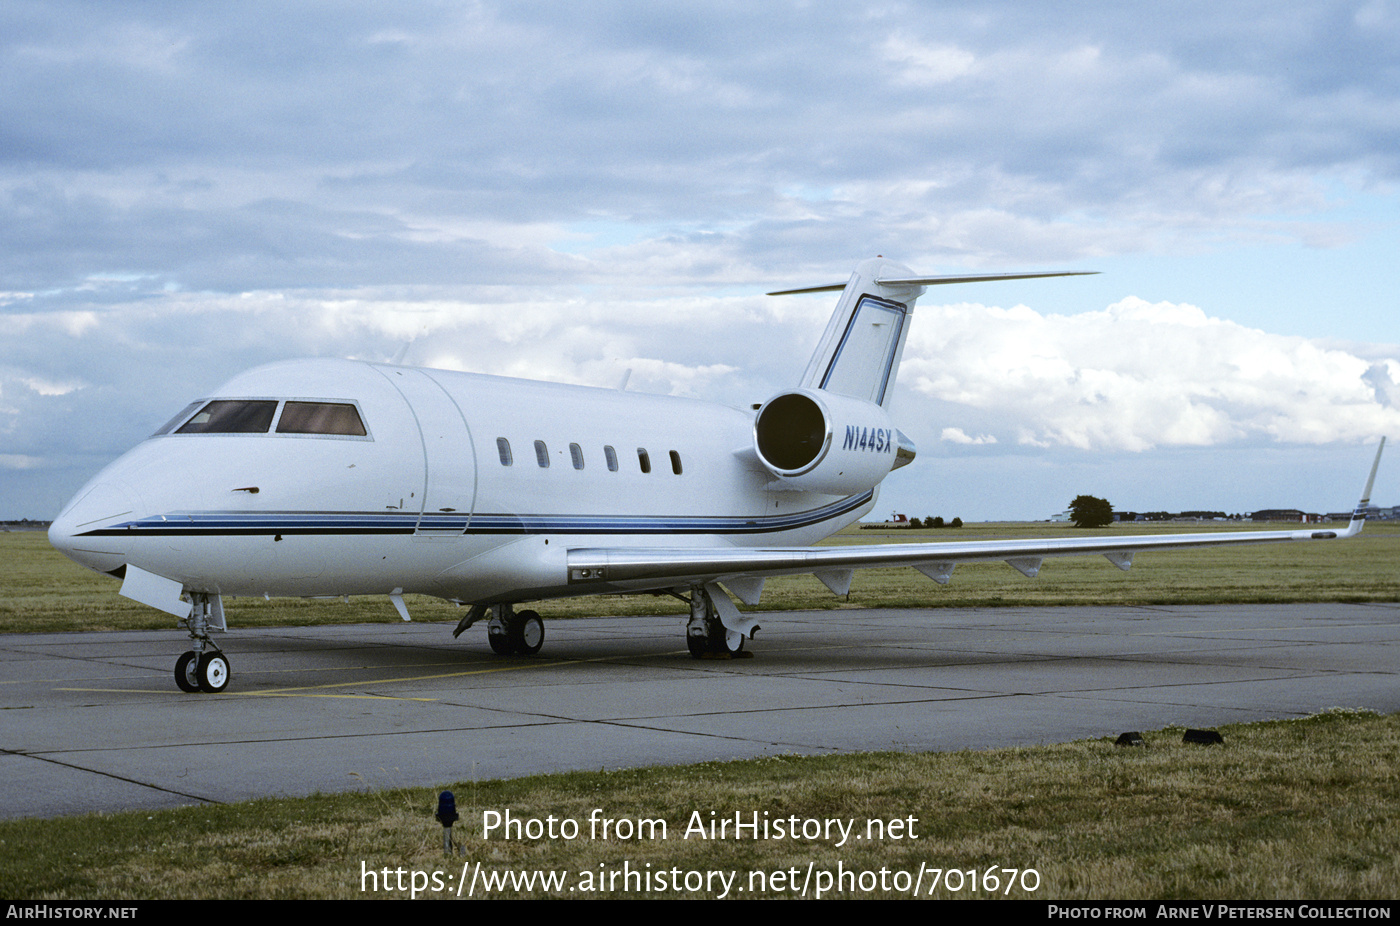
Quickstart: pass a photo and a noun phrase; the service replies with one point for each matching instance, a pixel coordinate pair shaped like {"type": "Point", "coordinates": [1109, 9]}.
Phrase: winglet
{"type": "Point", "coordinates": [1358, 517]}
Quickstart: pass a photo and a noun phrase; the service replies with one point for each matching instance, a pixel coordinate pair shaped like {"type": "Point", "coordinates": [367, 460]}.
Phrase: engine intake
{"type": "Point", "coordinates": [822, 442]}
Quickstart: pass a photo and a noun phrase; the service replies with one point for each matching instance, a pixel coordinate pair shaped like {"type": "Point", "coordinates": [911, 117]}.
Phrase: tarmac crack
{"type": "Point", "coordinates": [111, 775]}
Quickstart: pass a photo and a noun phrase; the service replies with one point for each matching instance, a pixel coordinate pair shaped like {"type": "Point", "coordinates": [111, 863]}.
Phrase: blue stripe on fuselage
{"type": "Point", "coordinates": [235, 523]}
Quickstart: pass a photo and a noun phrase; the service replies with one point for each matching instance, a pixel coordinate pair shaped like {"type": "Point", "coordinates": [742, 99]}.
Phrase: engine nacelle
{"type": "Point", "coordinates": [818, 441]}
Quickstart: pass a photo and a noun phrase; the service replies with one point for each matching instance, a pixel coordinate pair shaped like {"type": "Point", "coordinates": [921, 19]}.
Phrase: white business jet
{"type": "Point", "coordinates": [335, 477]}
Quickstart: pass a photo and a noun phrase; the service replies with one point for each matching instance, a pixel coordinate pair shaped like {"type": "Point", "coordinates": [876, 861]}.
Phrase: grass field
{"type": "Point", "coordinates": [40, 590]}
{"type": "Point", "coordinates": [1303, 809]}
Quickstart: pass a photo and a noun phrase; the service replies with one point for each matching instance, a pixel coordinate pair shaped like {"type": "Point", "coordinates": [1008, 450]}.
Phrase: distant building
{"type": "Point", "coordinates": [1285, 514]}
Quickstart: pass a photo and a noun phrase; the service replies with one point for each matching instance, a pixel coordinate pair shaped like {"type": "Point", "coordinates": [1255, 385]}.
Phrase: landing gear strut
{"type": "Point", "coordinates": [513, 633]}
{"type": "Point", "coordinates": [705, 634]}
{"type": "Point", "coordinates": [205, 667]}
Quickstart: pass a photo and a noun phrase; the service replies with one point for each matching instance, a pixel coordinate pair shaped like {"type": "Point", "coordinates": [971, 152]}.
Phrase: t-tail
{"type": "Point", "coordinates": [833, 434]}
{"type": "Point", "coordinates": [859, 353]}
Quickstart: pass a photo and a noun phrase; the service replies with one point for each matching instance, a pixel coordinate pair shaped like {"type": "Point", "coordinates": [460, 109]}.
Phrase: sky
{"type": "Point", "coordinates": [570, 191]}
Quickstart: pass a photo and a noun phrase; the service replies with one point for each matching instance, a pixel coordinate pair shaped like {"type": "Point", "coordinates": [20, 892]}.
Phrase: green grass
{"type": "Point", "coordinates": [1301, 809]}
{"type": "Point", "coordinates": [40, 590]}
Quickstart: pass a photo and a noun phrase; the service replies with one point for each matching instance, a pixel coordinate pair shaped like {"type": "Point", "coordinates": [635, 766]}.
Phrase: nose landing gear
{"type": "Point", "coordinates": [204, 668]}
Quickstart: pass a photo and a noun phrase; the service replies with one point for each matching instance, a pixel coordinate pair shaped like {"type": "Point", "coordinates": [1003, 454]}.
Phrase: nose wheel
{"type": "Point", "coordinates": [208, 672]}
{"type": "Point", "coordinates": [187, 672]}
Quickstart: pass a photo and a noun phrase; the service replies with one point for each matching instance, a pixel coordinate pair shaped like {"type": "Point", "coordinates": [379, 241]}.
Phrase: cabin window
{"type": "Point", "coordinates": [503, 449]}
{"type": "Point", "coordinates": [541, 454]}
{"type": "Point", "coordinates": [339, 418]}
{"type": "Point", "coordinates": [675, 462]}
{"type": "Point", "coordinates": [184, 413]}
{"type": "Point", "coordinates": [576, 454]}
{"type": "Point", "coordinates": [643, 459]}
{"type": "Point", "coordinates": [232, 416]}
{"type": "Point", "coordinates": [611, 456]}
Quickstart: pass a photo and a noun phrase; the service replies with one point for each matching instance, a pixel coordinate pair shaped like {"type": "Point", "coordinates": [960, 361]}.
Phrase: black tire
{"type": "Point", "coordinates": [500, 643]}
{"type": "Point", "coordinates": [186, 674]}
{"type": "Point", "coordinates": [213, 672]}
{"type": "Point", "coordinates": [527, 633]}
{"type": "Point", "coordinates": [698, 646]}
{"type": "Point", "coordinates": [720, 640]}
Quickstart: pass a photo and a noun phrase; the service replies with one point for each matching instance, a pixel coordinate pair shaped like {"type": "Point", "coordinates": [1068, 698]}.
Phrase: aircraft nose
{"type": "Point", "coordinates": [76, 531]}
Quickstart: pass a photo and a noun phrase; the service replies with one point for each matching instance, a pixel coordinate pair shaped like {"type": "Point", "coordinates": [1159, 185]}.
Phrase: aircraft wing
{"type": "Point", "coordinates": [743, 569]}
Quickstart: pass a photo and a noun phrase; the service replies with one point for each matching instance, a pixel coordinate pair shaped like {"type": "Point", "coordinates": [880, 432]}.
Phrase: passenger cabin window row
{"type": "Point", "coordinates": [576, 456]}
{"type": "Point", "coordinates": [259, 416]}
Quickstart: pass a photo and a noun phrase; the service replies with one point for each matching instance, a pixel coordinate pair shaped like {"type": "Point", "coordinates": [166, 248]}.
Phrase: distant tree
{"type": "Point", "coordinates": [934, 522]}
{"type": "Point", "coordinates": [956, 522]}
{"type": "Point", "coordinates": [1088, 511]}
{"type": "Point", "coordinates": [915, 523]}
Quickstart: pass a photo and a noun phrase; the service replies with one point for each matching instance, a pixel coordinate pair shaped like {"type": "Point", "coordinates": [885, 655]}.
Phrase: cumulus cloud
{"type": "Point", "coordinates": [959, 436]}
{"type": "Point", "coordinates": [1139, 375]}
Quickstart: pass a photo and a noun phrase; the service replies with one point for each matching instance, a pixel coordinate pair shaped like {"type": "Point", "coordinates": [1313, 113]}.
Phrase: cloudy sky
{"type": "Point", "coordinates": [569, 191]}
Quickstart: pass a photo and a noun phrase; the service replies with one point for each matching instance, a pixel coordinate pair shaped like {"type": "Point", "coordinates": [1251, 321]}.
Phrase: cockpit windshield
{"type": "Point", "coordinates": [321, 418]}
{"type": "Point", "coordinates": [232, 416]}
{"type": "Point", "coordinates": [256, 416]}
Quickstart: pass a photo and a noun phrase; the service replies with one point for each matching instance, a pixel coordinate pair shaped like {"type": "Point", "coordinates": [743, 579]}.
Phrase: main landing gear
{"type": "Point", "coordinates": [514, 633]}
{"type": "Point", "coordinates": [521, 633]}
{"type": "Point", "coordinates": [705, 634]}
{"type": "Point", "coordinates": [204, 668]}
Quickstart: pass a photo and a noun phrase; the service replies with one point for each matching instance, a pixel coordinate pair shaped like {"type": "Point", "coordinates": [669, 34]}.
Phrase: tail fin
{"type": "Point", "coordinates": [859, 353]}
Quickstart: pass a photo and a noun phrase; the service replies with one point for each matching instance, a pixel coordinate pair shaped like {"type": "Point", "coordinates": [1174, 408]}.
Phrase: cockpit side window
{"type": "Point", "coordinates": [184, 413]}
{"type": "Point", "coordinates": [321, 418]}
{"type": "Point", "coordinates": [232, 416]}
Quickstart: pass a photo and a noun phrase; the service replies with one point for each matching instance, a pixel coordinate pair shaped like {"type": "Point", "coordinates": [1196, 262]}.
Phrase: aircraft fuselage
{"type": "Point", "coordinates": [462, 486]}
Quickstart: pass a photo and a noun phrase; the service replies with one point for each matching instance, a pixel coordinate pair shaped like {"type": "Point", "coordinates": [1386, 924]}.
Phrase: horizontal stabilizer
{"type": "Point", "coordinates": [938, 281]}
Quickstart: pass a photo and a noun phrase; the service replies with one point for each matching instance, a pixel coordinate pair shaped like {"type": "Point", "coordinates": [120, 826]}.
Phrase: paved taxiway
{"type": "Point", "coordinates": [94, 721]}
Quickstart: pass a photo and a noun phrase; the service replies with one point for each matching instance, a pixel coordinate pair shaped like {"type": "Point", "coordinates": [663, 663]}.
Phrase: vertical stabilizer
{"type": "Point", "coordinates": [859, 353]}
